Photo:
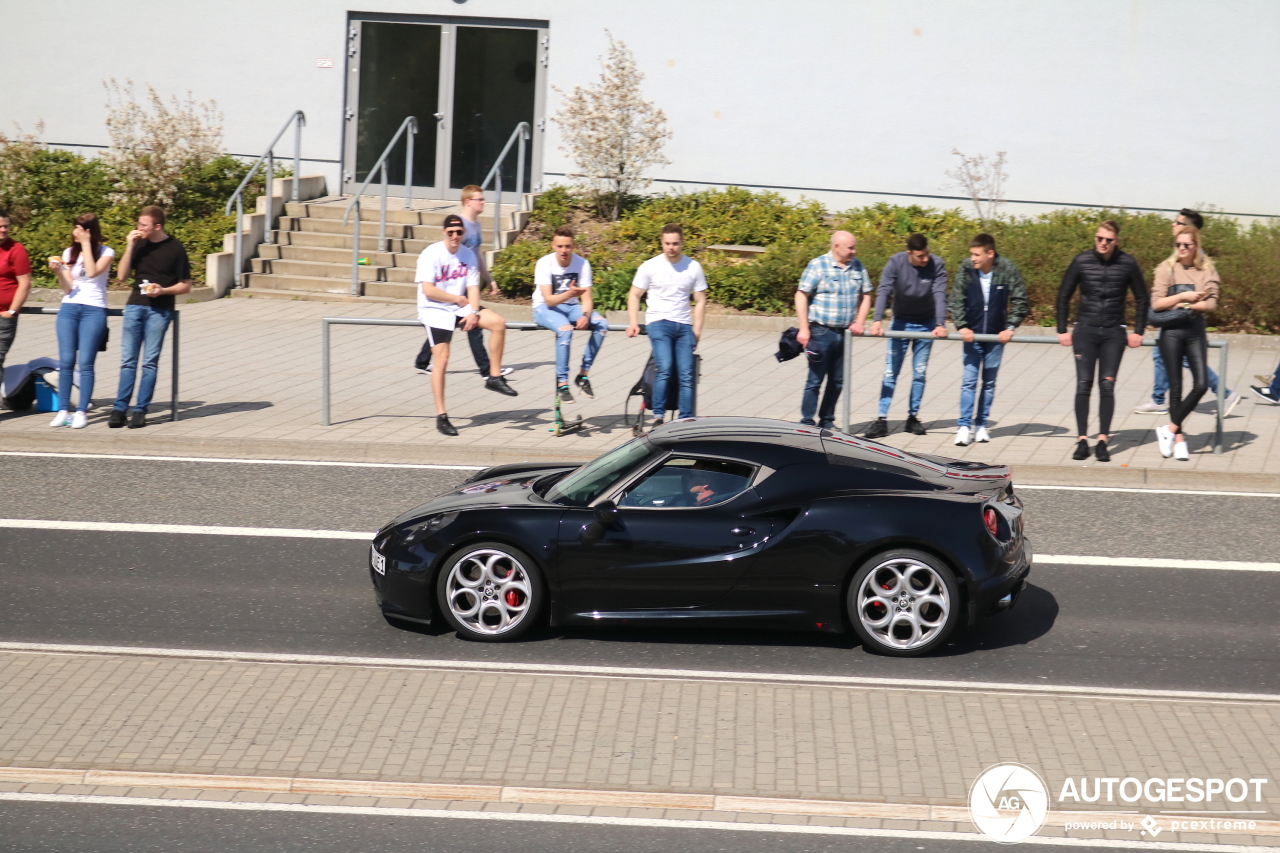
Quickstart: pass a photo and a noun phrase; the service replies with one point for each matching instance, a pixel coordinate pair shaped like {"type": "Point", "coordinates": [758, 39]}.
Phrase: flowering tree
{"type": "Point", "coordinates": [611, 133]}
{"type": "Point", "coordinates": [153, 145]}
{"type": "Point", "coordinates": [983, 180]}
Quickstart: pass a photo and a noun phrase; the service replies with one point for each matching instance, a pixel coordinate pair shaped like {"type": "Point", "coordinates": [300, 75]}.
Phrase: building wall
{"type": "Point", "coordinates": [1145, 103]}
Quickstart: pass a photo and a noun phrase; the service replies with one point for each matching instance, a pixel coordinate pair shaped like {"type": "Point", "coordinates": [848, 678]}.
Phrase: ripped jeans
{"type": "Point", "coordinates": [1100, 348]}
{"type": "Point", "coordinates": [897, 353]}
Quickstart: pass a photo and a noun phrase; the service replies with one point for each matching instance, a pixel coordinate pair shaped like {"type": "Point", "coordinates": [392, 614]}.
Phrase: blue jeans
{"type": "Point", "coordinates": [553, 317]}
{"type": "Point", "coordinates": [143, 329]}
{"type": "Point", "coordinates": [1161, 385]}
{"type": "Point", "coordinates": [825, 352]}
{"type": "Point", "coordinates": [80, 329]}
{"type": "Point", "coordinates": [672, 344]}
{"type": "Point", "coordinates": [984, 358]}
{"type": "Point", "coordinates": [893, 359]}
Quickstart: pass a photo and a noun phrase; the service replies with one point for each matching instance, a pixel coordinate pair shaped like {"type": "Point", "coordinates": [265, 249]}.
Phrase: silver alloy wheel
{"type": "Point", "coordinates": [489, 591]}
{"type": "Point", "coordinates": [903, 603]}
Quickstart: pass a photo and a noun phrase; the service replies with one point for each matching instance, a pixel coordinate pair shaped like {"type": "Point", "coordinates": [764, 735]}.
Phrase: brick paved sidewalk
{"type": "Point", "coordinates": [251, 385]}
{"type": "Point", "coordinates": [915, 750]}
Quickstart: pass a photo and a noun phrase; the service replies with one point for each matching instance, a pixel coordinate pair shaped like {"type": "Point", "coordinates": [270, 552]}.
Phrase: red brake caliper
{"type": "Point", "coordinates": [513, 598]}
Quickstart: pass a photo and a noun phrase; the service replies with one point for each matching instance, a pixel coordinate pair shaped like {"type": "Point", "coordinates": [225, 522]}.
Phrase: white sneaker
{"type": "Point", "coordinates": [79, 420]}
{"type": "Point", "coordinates": [61, 419]}
{"type": "Point", "coordinates": [1180, 451]}
{"type": "Point", "coordinates": [1164, 438]}
{"type": "Point", "coordinates": [962, 436]}
{"type": "Point", "coordinates": [425, 371]}
{"type": "Point", "coordinates": [1230, 403]}
{"type": "Point", "coordinates": [983, 435]}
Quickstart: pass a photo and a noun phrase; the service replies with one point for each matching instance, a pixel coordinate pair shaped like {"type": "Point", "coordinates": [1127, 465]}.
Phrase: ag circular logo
{"type": "Point", "coordinates": [1008, 803]}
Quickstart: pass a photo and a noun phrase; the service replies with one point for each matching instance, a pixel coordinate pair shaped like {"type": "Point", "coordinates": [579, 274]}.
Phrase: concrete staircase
{"type": "Point", "coordinates": [310, 253]}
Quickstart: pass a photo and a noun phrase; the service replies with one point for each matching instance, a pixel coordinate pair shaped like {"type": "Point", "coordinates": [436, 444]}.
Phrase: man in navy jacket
{"type": "Point", "coordinates": [988, 297]}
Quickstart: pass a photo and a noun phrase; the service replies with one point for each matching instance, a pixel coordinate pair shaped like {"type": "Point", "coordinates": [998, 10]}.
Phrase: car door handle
{"type": "Point", "coordinates": [743, 531]}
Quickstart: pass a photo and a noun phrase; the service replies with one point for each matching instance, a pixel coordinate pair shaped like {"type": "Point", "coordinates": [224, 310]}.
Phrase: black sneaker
{"type": "Point", "coordinates": [499, 384]}
{"type": "Point", "coordinates": [117, 419]}
{"type": "Point", "coordinates": [1082, 450]}
{"type": "Point", "coordinates": [1101, 453]}
{"type": "Point", "coordinates": [138, 419]}
{"type": "Point", "coordinates": [879, 429]}
{"type": "Point", "coordinates": [915, 427]}
{"type": "Point", "coordinates": [564, 394]}
{"type": "Point", "coordinates": [585, 384]}
{"type": "Point", "coordinates": [1264, 393]}
{"type": "Point", "coordinates": [443, 425]}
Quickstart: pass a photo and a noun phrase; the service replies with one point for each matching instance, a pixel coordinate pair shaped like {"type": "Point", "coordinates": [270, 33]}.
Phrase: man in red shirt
{"type": "Point", "coordinates": [15, 283]}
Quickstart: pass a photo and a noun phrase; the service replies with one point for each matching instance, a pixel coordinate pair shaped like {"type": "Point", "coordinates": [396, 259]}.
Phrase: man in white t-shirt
{"type": "Point", "coordinates": [448, 279]}
{"type": "Point", "coordinates": [666, 282]}
{"type": "Point", "coordinates": [562, 303]}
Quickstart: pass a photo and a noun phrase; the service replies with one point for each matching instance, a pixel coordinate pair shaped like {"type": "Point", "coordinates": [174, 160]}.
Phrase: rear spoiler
{"type": "Point", "coordinates": [940, 467]}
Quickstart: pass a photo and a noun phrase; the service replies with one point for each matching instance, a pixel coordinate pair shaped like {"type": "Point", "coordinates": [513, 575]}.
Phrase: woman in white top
{"type": "Point", "coordinates": [82, 274]}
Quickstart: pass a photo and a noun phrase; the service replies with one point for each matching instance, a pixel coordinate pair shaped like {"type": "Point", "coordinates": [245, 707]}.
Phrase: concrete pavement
{"type": "Point", "coordinates": [251, 386]}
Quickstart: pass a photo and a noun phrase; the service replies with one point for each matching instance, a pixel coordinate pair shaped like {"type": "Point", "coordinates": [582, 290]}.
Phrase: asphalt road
{"type": "Point", "coordinates": [58, 827]}
{"type": "Point", "coordinates": [1105, 626]}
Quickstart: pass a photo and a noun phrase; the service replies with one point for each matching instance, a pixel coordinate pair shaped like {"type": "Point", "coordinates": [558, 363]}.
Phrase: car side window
{"type": "Point", "coordinates": [688, 482]}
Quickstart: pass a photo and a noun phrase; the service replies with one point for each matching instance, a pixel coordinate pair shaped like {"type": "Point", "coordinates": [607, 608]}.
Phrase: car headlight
{"type": "Point", "coordinates": [415, 533]}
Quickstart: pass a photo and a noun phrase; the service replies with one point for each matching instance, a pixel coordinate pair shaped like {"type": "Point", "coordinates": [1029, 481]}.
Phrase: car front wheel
{"type": "Point", "coordinates": [490, 592]}
{"type": "Point", "coordinates": [904, 603]}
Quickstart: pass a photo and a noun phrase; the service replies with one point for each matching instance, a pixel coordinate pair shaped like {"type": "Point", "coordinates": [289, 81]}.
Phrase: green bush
{"type": "Point", "coordinates": [46, 189]}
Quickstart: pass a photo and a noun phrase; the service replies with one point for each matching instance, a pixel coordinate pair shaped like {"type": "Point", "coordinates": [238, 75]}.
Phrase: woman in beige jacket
{"type": "Point", "coordinates": [1189, 266]}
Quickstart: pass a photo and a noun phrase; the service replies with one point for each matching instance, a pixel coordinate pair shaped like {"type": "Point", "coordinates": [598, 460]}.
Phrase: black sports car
{"type": "Point", "coordinates": [716, 521]}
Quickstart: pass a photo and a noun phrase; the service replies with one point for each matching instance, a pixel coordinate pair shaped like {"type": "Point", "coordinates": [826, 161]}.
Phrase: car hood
{"type": "Point", "coordinates": [507, 488]}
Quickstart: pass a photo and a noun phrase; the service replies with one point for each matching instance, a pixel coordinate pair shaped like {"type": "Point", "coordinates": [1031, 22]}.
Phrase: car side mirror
{"type": "Point", "coordinates": [606, 516]}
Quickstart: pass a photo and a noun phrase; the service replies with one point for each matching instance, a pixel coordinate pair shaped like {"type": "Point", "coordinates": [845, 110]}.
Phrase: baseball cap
{"type": "Point", "coordinates": [453, 220]}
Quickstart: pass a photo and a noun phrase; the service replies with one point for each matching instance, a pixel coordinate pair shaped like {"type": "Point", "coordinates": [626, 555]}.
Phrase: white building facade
{"type": "Point", "coordinates": [1141, 104]}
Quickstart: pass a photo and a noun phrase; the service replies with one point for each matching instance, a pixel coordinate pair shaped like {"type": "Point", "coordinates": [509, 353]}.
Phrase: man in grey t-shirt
{"type": "Point", "coordinates": [917, 283]}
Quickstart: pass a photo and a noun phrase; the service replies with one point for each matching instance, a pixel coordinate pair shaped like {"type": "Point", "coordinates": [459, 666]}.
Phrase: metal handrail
{"type": "Point", "coordinates": [410, 122]}
{"type": "Point", "coordinates": [847, 366]}
{"type": "Point", "coordinates": [521, 133]}
{"type": "Point", "coordinates": [237, 198]}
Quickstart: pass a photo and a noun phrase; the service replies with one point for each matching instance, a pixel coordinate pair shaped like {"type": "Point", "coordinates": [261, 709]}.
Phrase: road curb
{"type": "Point", "coordinates": [134, 444]}
{"type": "Point", "coordinates": [936, 811]}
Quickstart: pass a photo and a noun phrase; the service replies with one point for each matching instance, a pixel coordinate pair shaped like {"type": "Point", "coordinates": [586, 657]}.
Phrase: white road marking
{"type": "Point", "coordinates": [245, 461]}
{"type": "Point", "coordinates": [1020, 486]}
{"type": "Point", "coordinates": [593, 820]}
{"type": "Point", "coordinates": [577, 670]}
{"type": "Point", "coordinates": [361, 536]}
{"type": "Point", "coordinates": [1157, 563]}
{"type": "Point", "coordinates": [199, 529]}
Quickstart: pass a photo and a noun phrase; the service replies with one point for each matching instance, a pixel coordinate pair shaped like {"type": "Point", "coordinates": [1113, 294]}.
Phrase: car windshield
{"type": "Point", "coordinates": [590, 481]}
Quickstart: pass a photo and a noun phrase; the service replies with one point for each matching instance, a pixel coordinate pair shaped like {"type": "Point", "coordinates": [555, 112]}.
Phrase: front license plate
{"type": "Point", "coordinates": [378, 561]}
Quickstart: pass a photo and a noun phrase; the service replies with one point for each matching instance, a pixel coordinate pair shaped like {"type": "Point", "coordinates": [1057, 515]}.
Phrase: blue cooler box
{"type": "Point", "coordinates": [46, 396]}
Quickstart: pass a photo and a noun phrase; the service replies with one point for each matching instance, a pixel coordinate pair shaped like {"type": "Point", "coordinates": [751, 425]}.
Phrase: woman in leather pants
{"type": "Point", "coordinates": [1191, 267]}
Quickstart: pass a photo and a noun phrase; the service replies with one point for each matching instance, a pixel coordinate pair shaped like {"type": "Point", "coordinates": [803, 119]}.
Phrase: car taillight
{"type": "Point", "coordinates": [989, 516]}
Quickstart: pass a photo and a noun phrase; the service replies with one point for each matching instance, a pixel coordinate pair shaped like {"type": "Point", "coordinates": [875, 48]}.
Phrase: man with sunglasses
{"type": "Point", "coordinates": [1102, 276]}
{"type": "Point", "coordinates": [448, 279]}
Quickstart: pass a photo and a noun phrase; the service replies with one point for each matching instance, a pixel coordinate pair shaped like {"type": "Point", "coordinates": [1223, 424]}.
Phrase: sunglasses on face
{"type": "Point", "coordinates": [454, 231]}
{"type": "Point", "coordinates": [1105, 239]}
{"type": "Point", "coordinates": [1185, 245]}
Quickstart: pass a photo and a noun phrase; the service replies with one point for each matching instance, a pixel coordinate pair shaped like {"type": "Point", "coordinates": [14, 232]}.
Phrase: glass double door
{"type": "Point", "coordinates": [468, 86]}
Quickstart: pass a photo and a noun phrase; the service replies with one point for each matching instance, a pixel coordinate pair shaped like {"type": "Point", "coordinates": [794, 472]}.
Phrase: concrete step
{"type": "Point", "coordinates": [343, 241]}
{"type": "Point", "coordinates": [335, 226]}
{"type": "Point", "coordinates": [311, 269]}
{"type": "Point", "coordinates": [336, 257]}
{"type": "Point", "coordinates": [431, 214]}
{"type": "Point", "coordinates": [392, 290]}
{"type": "Point", "coordinates": [403, 274]}
{"type": "Point", "coordinates": [316, 284]}
{"type": "Point", "coordinates": [303, 296]}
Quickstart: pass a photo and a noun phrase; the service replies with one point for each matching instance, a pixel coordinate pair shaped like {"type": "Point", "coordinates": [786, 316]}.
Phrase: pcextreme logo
{"type": "Point", "coordinates": [1008, 803]}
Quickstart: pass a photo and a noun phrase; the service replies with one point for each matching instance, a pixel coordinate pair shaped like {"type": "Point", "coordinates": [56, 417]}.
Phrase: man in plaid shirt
{"type": "Point", "coordinates": [834, 294]}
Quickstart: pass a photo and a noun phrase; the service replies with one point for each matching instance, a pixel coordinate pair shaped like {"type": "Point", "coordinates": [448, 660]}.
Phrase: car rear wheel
{"type": "Point", "coordinates": [904, 603]}
{"type": "Point", "coordinates": [490, 592]}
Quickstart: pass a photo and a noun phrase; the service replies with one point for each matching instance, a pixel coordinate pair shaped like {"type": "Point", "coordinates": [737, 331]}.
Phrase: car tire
{"type": "Point", "coordinates": [490, 592]}
{"type": "Point", "coordinates": [904, 603]}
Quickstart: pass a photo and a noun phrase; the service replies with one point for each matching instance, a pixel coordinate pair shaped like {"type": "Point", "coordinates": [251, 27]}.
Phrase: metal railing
{"type": "Point", "coordinates": [847, 366]}
{"type": "Point", "coordinates": [326, 322]}
{"type": "Point", "coordinates": [299, 121]}
{"type": "Point", "coordinates": [173, 352]}
{"type": "Point", "coordinates": [410, 123]}
{"type": "Point", "coordinates": [519, 135]}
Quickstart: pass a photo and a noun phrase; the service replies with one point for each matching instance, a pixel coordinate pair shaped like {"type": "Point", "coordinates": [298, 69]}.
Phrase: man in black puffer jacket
{"type": "Point", "coordinates": [1103, 276]}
